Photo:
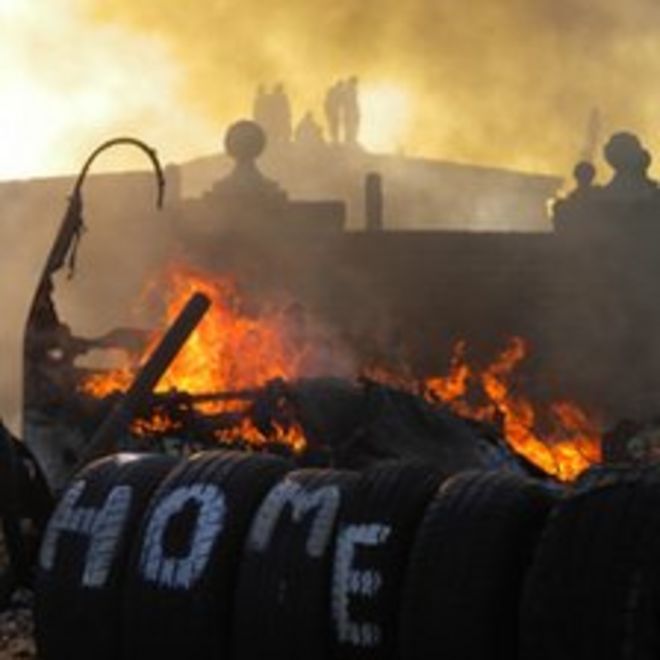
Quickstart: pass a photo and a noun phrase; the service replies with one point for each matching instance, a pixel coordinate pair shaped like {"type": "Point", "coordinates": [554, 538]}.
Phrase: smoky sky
{"type": "Point", "coordinates": [510, 82]}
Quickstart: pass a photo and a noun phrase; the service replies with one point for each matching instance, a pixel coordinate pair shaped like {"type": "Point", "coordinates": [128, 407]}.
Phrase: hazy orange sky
{"type": "Point", "coordinates": [509, 83]}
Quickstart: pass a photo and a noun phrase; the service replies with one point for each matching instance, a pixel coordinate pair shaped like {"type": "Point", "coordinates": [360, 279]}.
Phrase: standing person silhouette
{"type": "Point", "coordinates": [625, 154]}
{"type": "Point", "coordinates": [260, 106]}
{"type": "Point", "coordinates": [308, 133]}
{"type": "Point", "coordinates": [351, 107]}
{"type": "Point", "coordinates": [332, 108]}
{"type": "Point", "coordinates": [281, 111]}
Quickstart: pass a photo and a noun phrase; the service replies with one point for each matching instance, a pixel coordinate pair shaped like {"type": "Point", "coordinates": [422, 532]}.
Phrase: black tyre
{"type": "Point", "coordinates": [375, 533]}
{"type": "Point", "coordinates": [283, 598]}
{"type": "Point", "coordinates": [593, 588]}
{"type": "Point", "coordinates": [467, 567]}
{"type": "Point", "coordinates": [25, 506]}
{"type": "Point", "coordinates": [180, 591]}
{"type": "Point", "coordinates": [84, 553]}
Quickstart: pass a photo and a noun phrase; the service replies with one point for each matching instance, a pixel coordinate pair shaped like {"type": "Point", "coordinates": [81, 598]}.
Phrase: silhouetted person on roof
{"type": "Point", "coordinates": [351, 110]}
{"type": "Point", "coordinates": [260, 107]}
{"type": "Point", "coordinates": [584, 174]}
{"type": "Point", "coordinates": [332, 109]}
{"type": "Point", "coordinates": [280, 108]}
{"type": "Point", "coordinates": [570, 209]}
{"type": "Point", "coordinates": [629, 195]}
{"type": "Point", "coordinates": [308, 133]}
{"type": "Point", "coordinates": [630, 162]}
{"type": "Point", "coordinates": [272, 111]}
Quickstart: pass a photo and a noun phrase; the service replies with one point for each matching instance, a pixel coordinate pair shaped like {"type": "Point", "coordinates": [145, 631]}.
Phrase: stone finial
{"type": "Point", "coordinates": [245, 141]}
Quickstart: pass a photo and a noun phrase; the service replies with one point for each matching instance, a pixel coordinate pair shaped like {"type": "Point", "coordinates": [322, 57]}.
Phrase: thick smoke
{"type": "Point", "coordinates": [507, 83]}
{"type": "Point", "coordinates": [69, 81]}
{"type": "Point", "coordinates": [503, 83]}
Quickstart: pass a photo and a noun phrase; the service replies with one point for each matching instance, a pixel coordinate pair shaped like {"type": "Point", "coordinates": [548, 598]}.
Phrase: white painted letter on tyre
{"type": "Point", "coordinates": [103, 526]}
{"type": "Point", "coordinates": [182, 572]}
{"type": "Point", "coordinates": [347, 581]}
{"type": "Point", "coordinates": [325, 500]}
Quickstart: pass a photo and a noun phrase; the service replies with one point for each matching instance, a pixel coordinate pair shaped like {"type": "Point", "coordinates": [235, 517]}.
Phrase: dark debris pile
{"type": "Point", "coordinates": [17, 628]}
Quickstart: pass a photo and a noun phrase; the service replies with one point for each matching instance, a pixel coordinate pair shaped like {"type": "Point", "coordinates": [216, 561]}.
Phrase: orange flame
{"type": "Point", "coordinates": [228, 351]}
{"type": "Point", "coordinates": [571, 447]}
{"type": "Point", "coordinates": [454, 385]}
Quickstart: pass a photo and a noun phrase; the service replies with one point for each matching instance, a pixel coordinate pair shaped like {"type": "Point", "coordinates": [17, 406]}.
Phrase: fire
{"type": "Point", "coordinates": [453, 387]}
{"type": "Point", "coordinates": [232, 351]}
{"type": "Point", "coordinates": [571, 446]}
{"type": "Point", "coordinates": [228, 351]}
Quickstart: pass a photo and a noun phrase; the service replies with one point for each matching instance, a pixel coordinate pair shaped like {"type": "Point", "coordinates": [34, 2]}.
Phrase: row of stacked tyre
{"type": "Point", "coordinates": [232, 555]}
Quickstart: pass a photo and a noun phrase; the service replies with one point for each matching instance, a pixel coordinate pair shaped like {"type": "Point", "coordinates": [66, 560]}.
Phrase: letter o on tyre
{"type": "Point", "coordinates": [467, 566]}
{"type": "Point", "coordinates": [593, 590]}
{"type": "Point", "coordinates": [283, 597]}
{"type": "Point", "coordinates": [84, 553]}
{"type": "Point", "coordinates": [375, 532]}
{"type": "Point", "coordinates": [180, 593]}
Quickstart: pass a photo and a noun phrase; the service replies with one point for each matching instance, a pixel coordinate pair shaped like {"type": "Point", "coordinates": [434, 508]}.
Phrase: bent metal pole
{"type": "Point", "coordinates": [137, 395]}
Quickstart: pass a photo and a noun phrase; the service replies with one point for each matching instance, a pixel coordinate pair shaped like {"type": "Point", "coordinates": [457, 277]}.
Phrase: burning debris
{"type": "Point", "coordinates": [571, 441]}
{"type": "Point", "coordinates": [248, 378]}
